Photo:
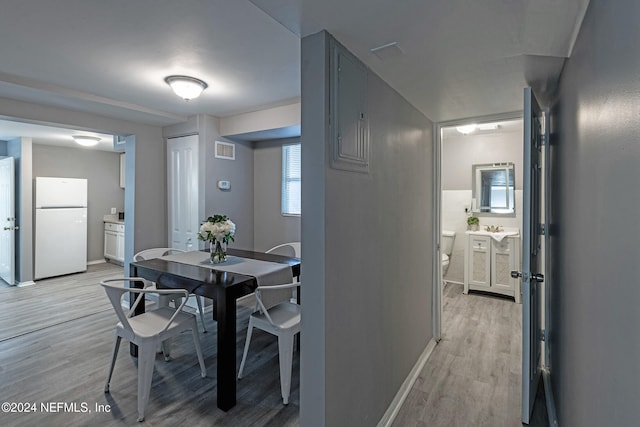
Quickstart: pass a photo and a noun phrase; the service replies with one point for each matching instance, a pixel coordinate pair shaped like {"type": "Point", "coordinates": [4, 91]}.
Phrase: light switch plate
{"type": "Point", "coordinates": [114, 211]}
{"type": "Point", "coordinates": [224, 185]}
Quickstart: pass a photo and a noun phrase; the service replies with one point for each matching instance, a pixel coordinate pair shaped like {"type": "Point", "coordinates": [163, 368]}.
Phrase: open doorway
{"type": "Point", "coordinates": [48, 151]}
{"type": "Point", "coordinates": [480, 175]}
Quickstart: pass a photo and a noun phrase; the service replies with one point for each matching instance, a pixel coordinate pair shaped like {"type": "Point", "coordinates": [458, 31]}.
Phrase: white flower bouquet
{"type": "Point", "coordinates": [219, 230]}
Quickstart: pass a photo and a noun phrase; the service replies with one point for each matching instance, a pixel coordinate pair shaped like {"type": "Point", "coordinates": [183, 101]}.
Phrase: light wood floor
{"type": "Point", "coordinates": [56, 340]}
{"type": "Point", "coordinates": [57, 345]}
{"type": "Point", "coordinates": [473, 375]}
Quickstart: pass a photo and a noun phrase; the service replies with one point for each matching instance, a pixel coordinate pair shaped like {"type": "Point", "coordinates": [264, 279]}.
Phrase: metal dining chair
{"type": "Point", "coordinates": [157, 253]}
{"type": "Point", "coordinates": [148, 331]}
{"type": "Point", "coordinates": [287, 249]}
{"type": "Point", "coordinates": [281, 320]}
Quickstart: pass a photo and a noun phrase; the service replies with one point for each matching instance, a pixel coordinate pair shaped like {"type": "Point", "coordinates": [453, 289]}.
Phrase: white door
{"type": "Point", "coordinates": [182, 187]}
{"type": "Point", "coordinates": [7, 221]}
{"type": "Point", "coordinates": [534, 129]}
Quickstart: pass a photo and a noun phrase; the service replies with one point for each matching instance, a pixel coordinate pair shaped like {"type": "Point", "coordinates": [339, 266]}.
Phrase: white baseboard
{"type": "Point", "coordinates": [393, 409]}
{"type": "Point", "coordinates": [548, 393]}
{"type": "Point", "coordinates": [98, 261]}
{"type": "Point", "coordinates": [27, 283]}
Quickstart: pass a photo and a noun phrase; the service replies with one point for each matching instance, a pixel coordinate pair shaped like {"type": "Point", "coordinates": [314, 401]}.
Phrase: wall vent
{"type": "Point", "coordinates": [225, 150]}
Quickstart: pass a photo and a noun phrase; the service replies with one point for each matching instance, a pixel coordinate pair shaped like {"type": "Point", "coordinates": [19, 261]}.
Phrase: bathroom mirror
{"type": "Point", "coordinates": [493, 191]}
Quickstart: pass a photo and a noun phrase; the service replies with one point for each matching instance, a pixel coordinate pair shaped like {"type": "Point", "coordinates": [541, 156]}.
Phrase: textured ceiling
{"type": "Point", "coordinates": [460, 58]}
{"type": "Point", "coordinates": [457, 58]}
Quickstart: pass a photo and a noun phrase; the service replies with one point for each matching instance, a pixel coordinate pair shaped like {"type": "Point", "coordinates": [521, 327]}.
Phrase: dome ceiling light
{"type": "Point", "coordinates": [86, 141]}
{"type": "Point", "coordinates": [466, 129]}
{"type": "Point", "coordinates": [186, 87]}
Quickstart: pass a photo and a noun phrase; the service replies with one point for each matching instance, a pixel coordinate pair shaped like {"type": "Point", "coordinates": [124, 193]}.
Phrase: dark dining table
{"type": "Point", "coordinates": [224, 288]}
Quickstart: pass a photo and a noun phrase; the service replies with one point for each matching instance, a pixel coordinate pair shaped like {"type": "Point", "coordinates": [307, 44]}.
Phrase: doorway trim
{"type": "Point", "coordinates": [437, 217]}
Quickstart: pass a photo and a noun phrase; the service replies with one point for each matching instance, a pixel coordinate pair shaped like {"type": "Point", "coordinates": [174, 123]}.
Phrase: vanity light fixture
{"type": "Point", "coordinates": [466, 129]}
{"type": "Point", "coordinates": [186, 87]}
{"type": "Point", "coordinates": [86, 140]}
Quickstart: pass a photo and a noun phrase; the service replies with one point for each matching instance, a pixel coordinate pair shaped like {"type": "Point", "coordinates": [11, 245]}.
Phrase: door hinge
{"type": "Point", "coordinates": [543, 139]}
{"type": "Point", "coordinates": [543, 335]}
{"type": "Point", "coordinates": [542, 229]}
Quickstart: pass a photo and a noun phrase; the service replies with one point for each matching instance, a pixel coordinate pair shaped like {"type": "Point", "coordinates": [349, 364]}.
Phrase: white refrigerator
{"type": "Point", "coordinates": [60, 226]}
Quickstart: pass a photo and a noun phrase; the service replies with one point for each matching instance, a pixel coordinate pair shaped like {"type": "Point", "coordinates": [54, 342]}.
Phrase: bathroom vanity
{"type": "Point", "coordinates": [489, 259]}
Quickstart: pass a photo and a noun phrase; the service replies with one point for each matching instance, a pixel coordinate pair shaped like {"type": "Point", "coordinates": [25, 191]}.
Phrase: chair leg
{"type": "Point", "coordinates": [196, 342]}
{"type": "Point", "coordinates": [198, 300]}
{"type": "Point", "coordinates": [114, 356]}
{"type": "Point", "coordinates": [285, 349]}
{"type": "Point", "coordinates": [246, 347]}
{"type": "Point", "coordinates": [146, 361]}
{"type": "Point", "coordinates": [165, 346]}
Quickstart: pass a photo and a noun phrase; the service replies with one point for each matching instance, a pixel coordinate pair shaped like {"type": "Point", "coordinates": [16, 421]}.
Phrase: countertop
{"type": "Point", "coordinates": [113, 219]}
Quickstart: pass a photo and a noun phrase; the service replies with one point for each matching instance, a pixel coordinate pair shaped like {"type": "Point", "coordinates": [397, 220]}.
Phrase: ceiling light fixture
{"type": "Point", "coordinates": [488, 126]}
{"type": "Point", "coordinates": [466, 129]}
{"type": "Point", "coordinates": [186, 87]}
{"type": "Point", "coordinates": [86, 141]}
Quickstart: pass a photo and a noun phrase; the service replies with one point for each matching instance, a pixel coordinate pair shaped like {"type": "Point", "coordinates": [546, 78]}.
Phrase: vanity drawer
{"type": "Point", "coordinates": [109, 226]}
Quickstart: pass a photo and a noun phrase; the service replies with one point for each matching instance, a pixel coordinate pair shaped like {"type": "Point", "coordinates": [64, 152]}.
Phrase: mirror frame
{"type": "Point", "coordinates": [475, 190]}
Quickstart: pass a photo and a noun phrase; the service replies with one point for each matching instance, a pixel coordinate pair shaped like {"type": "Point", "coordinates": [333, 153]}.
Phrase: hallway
{"type": "Point", "coordinates": [473, 375]}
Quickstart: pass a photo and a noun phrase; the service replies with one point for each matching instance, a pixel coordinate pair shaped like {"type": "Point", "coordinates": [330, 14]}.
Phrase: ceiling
{"type": "Point", "coordinates": [456, 58]}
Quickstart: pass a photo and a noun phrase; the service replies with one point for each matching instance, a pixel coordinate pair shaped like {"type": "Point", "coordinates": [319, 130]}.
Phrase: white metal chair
{"type": "Point", "coordinates": [286, 249]}
{"type": "Point", "coordinates": [157, 253]}
{"type": "Point", "coordinates": [148, 330]}
{"type": "Point", "coordinates": [282, 320]}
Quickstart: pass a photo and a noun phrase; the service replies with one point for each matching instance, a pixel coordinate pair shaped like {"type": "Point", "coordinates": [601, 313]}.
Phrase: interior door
{"type": "Point", "coordinates": [534, 128]}
{"type": "Point", "coordinates": [182, 185]}
{"type": "Point", "coordinates": [7, 221]}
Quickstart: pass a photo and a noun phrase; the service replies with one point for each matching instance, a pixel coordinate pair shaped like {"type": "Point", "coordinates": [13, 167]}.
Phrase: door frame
{"type": "Point", "coordinates": [10, 222]}
{"type": "Point", "coordinates": [437, 191]}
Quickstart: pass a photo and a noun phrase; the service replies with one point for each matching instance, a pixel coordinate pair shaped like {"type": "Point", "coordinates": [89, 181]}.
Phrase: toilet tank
{"type": "Point", "coordinates": [447, 241]}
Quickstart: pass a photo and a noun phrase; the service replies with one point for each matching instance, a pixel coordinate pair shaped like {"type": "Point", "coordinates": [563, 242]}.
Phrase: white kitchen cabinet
{"type": "Point", "coordinates": [114, 242]}
{"type": "Point", "coordinates": [489, 262]}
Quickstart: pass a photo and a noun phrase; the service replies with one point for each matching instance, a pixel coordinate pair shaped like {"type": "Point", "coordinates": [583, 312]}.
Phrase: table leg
{"type": "Point", "coordinates": [133, 272]}
{"type": "Point", "coordinates": [226, 314]}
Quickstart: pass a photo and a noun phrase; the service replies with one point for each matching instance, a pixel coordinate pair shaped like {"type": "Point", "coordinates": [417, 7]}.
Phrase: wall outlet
{"type": "Point", "coordinates": [114, 211]}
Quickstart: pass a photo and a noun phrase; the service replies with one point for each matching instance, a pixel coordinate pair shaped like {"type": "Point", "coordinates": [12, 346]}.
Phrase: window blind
{"type": "Point", "coordinates": [291, 179]}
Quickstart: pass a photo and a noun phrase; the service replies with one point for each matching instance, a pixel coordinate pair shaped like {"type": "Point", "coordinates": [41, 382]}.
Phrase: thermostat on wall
{"type": "Point", "coordinates": [224, 185]}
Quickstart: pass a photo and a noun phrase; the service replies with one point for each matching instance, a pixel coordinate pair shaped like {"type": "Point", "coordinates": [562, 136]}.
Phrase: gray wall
{"type": "Point", "coordinates": [367, 240]}
{"type": "Point", "coordinates": [3, 148]}
{"type": "Point", "coordinates": [101, 169]}
{"type": "Point", "coordinates": [21, 150]}
{"type": "Point", "coordinates": [594, 242]}
{"type": "Point", "coordinates": [236, 203]}
{"type": "Point", "coordinates": [270, 226]}
{"type": "Point", "coordinates": [146, 214]}
{"type": "Point", "coordinates": [460, 152]}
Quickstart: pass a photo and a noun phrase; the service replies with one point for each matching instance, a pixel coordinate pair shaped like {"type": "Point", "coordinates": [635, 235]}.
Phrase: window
{"type": "Point", "coordinates": [291, 179]}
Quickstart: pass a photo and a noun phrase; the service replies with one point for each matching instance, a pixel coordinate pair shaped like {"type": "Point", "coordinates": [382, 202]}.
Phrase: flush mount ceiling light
{"type": "Point", "coordinates": [488, 126]}
{"type": "Point", "coordinates": [186, 87]}
{"type": "Point", "coordinates": [466, 129]}
{"type": "Point", "coordinates": [85, 140]}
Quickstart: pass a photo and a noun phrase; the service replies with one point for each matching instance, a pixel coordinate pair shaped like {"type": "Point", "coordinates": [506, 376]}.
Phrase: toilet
{"type": "Point", "coordinates": [446, 247]}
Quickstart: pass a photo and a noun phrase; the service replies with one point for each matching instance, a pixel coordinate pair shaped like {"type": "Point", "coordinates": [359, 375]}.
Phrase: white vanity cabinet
{"type": "Point", "coordinates": [489, 262]}
{"type": "Point", "coordinates": [114, 242]}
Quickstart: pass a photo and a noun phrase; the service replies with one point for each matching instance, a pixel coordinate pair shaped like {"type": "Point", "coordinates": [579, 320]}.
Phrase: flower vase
{"type": "Point", "coordinates": [218, 252]}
